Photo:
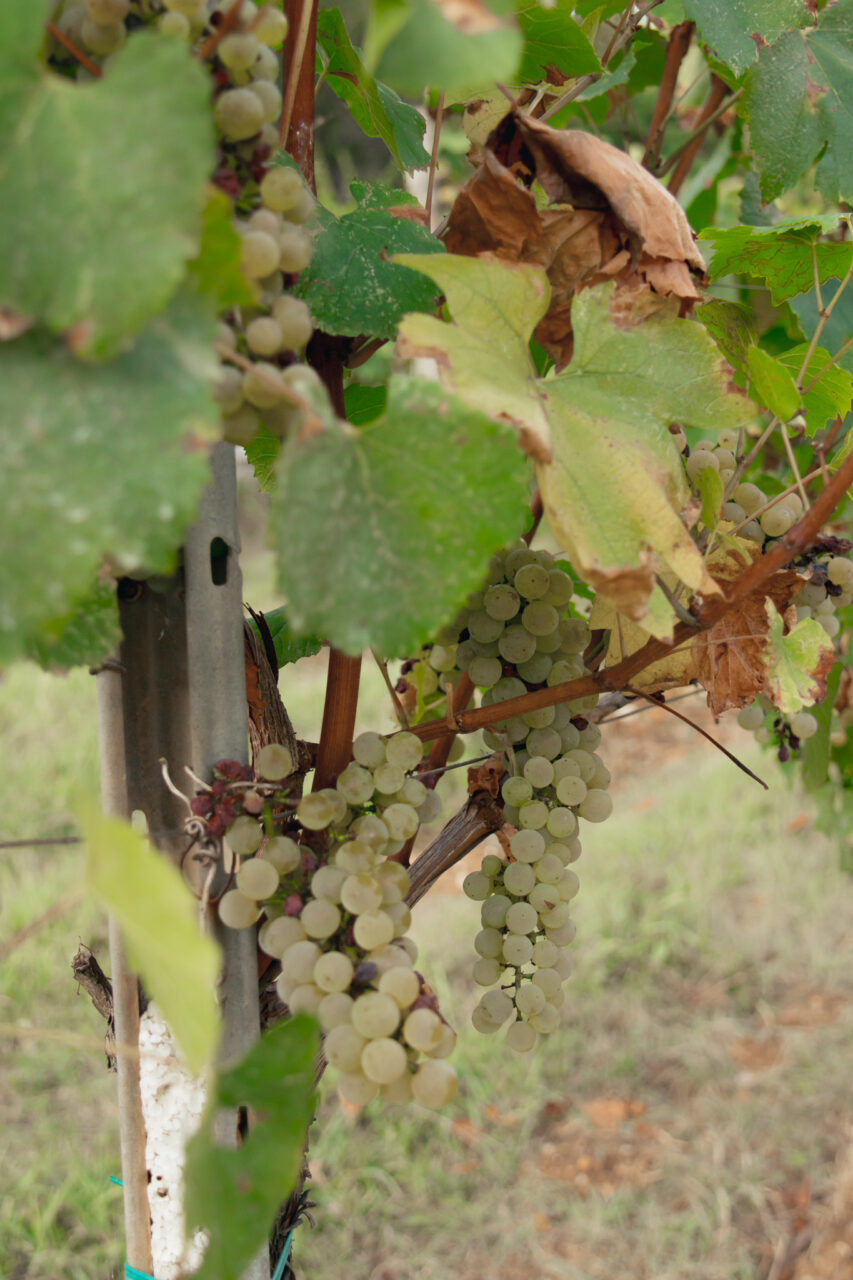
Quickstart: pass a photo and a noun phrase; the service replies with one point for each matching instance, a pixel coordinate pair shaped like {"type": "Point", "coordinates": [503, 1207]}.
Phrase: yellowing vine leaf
{"type": "Point", "coordinates": [616, 487]}
{"type": "Point", "coordinates": [612, 482]}
{"type": "Point", "coordinates": [796, 664]}
{"type": "Point", "coordinates": [483, 355]}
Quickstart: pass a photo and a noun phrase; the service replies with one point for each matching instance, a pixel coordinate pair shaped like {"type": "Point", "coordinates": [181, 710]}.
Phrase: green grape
{"type": "Point", "coordinates": [276, 936]}
{"type": "Point", "coordinates": [402, 985]}
{"type": "Point", "coordinates": [494, 909]}
{"type": "Point", "coordinates": [521, 917]}
{"type": "Point", "coordinates": [237, 51]}
{"type": "Point", "coordinates": [516, 644]}
{"type": "Point", "coordinates": [528, 845]}
{"type": "Point", "coordinates": [540, 619]}
{"type": "Point", "coordinates": [539, 771]}
{"type": "Point", "coordinates": [259, 252]}
{"type": "Point", "coordinates": [484, 628]}
{"type": "Point", "coordinates": [597, 806]}
{"type": "Point", "coordinates": [375, 1014]}
{"type": "Point", "coordinates": [103, 38]}
{"type": "Point", "coordinates": [486, 972]}
{"type": "Point", "coordinates": [535, 670]}
{"type": "Point", "coordinates": [238, 114]}
{"type": "Point", "coordinates": [299, 960]}
{"type": "Point", "coordinates": [236, 911]}
{"type": "Point", "coordinates": [549, 869]}
{"type": "Point", "coordinates": [750, 717]}
{"type": "Point", "coordinates": [519, 878]}
{"type": "Point", "coordinates": [560, 588]}
{"type": "Point", "coordinates": [320, 918]}
{"type": "Point", "coordinates": [778, 519]}
{"type": "Point", "coordinates": [270, 26]}
{"type": "Point", "coordinates": [562, 823]}
{"type": "Point", "coordinates": [517, 558]}
{"type": "Point", "coordinates": [244, 836]}
{"type": "Point", "coordinates": [532, 581]}
{"type": "Point", "coordinates": [315, 811]}
{"type": "Point", "coordinates": [544, 742]}
{"type": "Point", "coordinates": [571, 789]}
{"type": "Point", "coordinates": [533, 815]}
{"type": "Point", "coordinates": [803, 725]}
{"type": "Point", "coordinates": [422, 1029]}
{"type": "Point", "coordinates": [434, 1084]}
{"type": "Point", "coordinates": [334, 1010]}
{"type": "Point", "coordinates": [501, 601]}
{"type": "Point", "coordinates": [296, 248]}
{"type": "Point", "coordinates": [477, 886]}
{"type": "Point", "coordinates": [333, 972]}
{"type": "Point", "coordinates": [257, 879]}
{"type": "Point", "coordinates": [263, 336]}
{"type": "Point", "coordinates": [327, 882]}
{"type": "Point", "coordinates": [107, 11]}
{"type": "Point", "coordinates": [487, 943]}
{"type": "Point", "coordinates": [343, 1045]}
{"type": "Point", "coordinates": [521, 1037]}
{"type": "Point", "coordinates": [373, 929]}
{"type": "Point", "coordinates": [401, 820]}
{"type": "Point", "coordinates": [269, 96]}
{"type": "Point", "coordinates": [485, 672]}
{"type": "Point", "coordinates": [384, 1060]}
{"type": "Point", "coordinates": [530, 998]}
{"type": "Point", "coordinates": [516, 948]}
{"type": "Point", "coordinates": [404, 750]}
{"type": "Point", "coordinates": [361, 892]}
{"type": "Point", "coordinates": [388, 778]}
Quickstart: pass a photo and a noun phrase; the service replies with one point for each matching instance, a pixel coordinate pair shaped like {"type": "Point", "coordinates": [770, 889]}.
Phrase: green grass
{"type": "Point", "coordinates": [704, 925]}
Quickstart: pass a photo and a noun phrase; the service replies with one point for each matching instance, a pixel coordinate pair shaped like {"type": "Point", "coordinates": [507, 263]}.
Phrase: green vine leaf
{"type": "Point", "coordinates": [815, 750]}
{"type": "Point", "coordinates": [381, 532]}
{"type": "Point", "coordinates": [158, 914]}
{"type": "Point", "coordinates": [86, 637]}
{"type": "Point", "coordinates": [104, 249]}
{"type": "Point", "coordinates": [426, 48]}
{"type": "Point", "coordinates": [729, 28]}
{"type": "Point", "coordinates": [376, 109]}
{"type": "Point", "coordinates": [74, 431]}
{"type": "Point", "coordinates": [553, 39]}
{"type": "Point", "coordinates": [275, 1081]}
{"type": "Point", "coordinates": [780, 255]}
{"type": "Point", "coordinates": [216, 269]}
{"type": "Point", "coordinates": [798, 100]}
{"type": "Point", "coordinates": [831, 397]}
{"type": "Point", "coordinates": [773, 382]}
{"type": "Point", "coordinates": [350, 285]}
{"type": "Point", "coordinates": [288, 646]}
{"type": "Point", "coordinates": [797, 664]}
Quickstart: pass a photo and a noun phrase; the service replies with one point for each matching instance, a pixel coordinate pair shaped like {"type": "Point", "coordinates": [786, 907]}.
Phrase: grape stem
{"type": "Point", "coordinates": [709, 612]}
{"type": "Point", "coordinates": [672, 711]}
{"type": "Point", "coordinates": [481, 816]}
{"type": "Point", "coordinates": [682, 158]}
{"type": "Point", "coordinates": [676, 52]}
{"type": "Point", "coordinates": [70, 46]}
{"type": "Point", "coordinates": [228, 23]}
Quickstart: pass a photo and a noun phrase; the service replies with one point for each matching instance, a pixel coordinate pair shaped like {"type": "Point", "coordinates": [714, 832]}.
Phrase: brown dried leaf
{"type": "Point", "coordinates": [487, 776]}
{"type": "Point", "coordinates": [729, 659]}
{"type": "Point", "coordinates": [608, 219]}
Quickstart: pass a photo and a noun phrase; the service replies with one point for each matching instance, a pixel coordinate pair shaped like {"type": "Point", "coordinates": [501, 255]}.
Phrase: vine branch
{"type": "Point", "coordinates": [708, 612]}
{"type": "Point", "coordinates": [676, 52]}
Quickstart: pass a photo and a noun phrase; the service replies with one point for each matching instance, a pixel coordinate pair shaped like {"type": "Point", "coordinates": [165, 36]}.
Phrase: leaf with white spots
{"type": "Point", "coordinates": [98, 460]}
{"type": "Point", "coordinates": [382, 532]}
{"type": "Point", "coordinates": [350, 285]}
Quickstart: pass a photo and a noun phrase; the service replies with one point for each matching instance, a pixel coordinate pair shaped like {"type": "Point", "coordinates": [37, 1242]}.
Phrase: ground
{"type": "Point", "coordinates": [691, 1118]}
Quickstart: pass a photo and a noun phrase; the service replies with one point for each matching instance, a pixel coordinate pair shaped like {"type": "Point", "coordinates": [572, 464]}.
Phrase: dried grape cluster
{"type": "Point", "coordinates": [335, 913]}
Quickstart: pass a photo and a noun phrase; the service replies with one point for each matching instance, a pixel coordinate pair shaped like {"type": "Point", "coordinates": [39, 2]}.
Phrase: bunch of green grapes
{"type": "Point", "coordinates": [337, 920]}
{"type": "Point", "coordinates": [264, 383]}
{"type": "Point", "coordinates": [515, 635]}
{"type": "Point", "coordinates": [525, 909]}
